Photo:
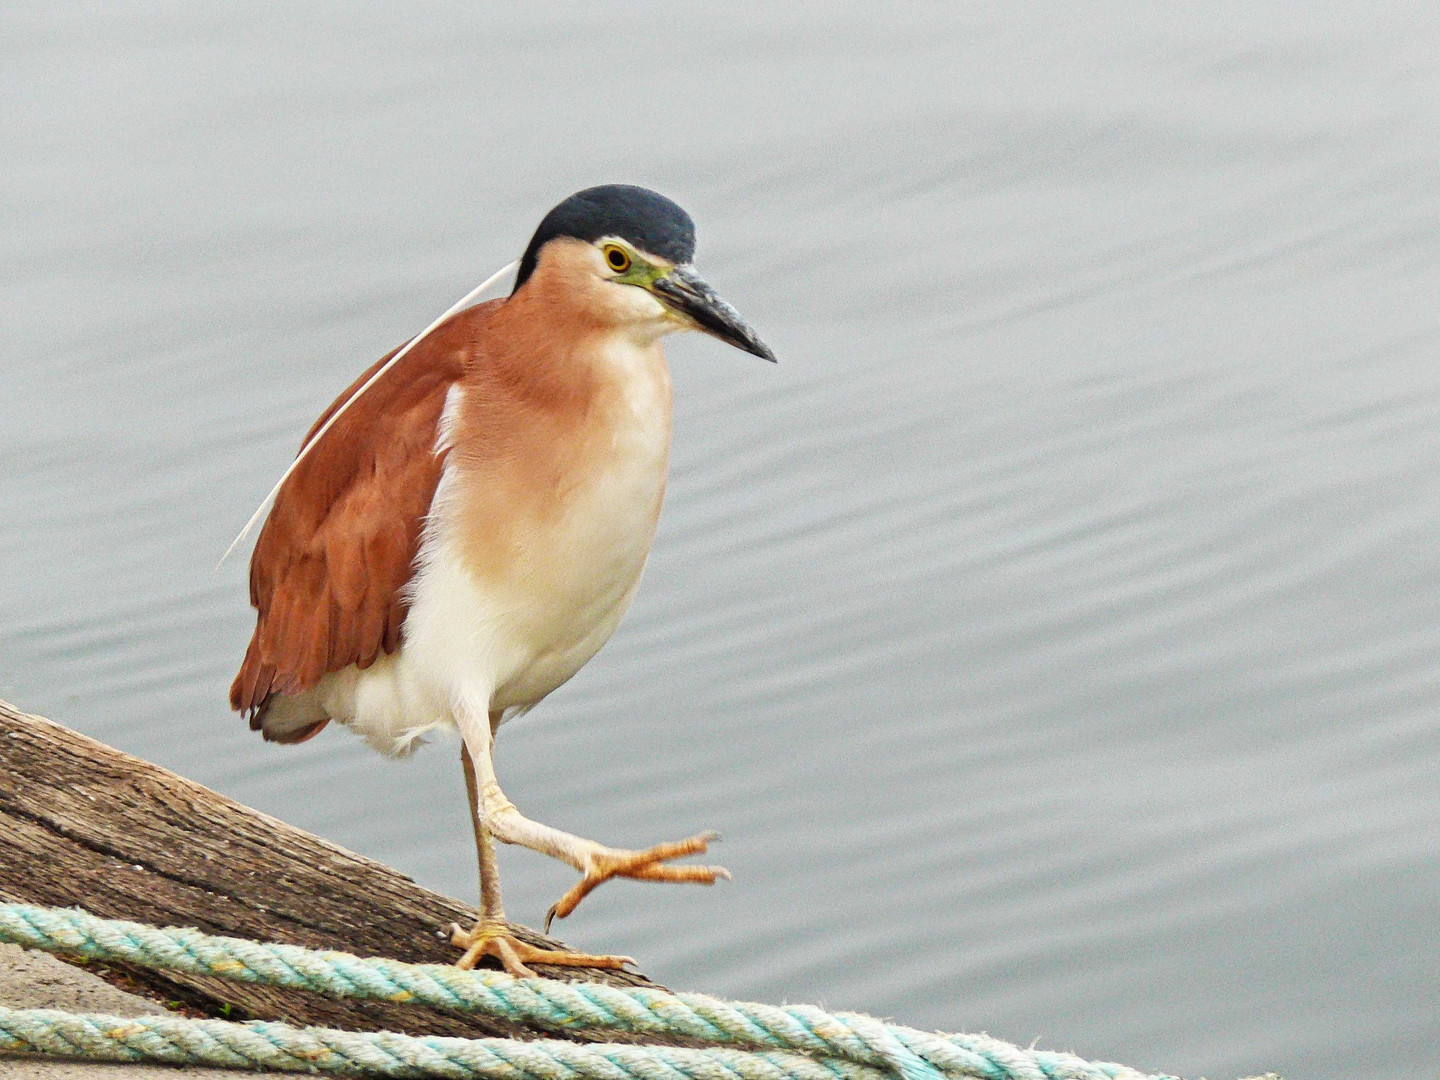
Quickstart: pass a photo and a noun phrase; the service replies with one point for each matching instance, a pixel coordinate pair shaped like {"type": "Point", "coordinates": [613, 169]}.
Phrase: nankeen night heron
{"type": "Point", "coordinates": [460, 538]}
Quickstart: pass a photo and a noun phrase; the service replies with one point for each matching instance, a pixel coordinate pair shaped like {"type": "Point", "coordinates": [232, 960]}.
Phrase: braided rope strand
{"type": "Point", "coordinates": [839, 1040]}
{"type": "Point", "coordinates": [176, 1040]}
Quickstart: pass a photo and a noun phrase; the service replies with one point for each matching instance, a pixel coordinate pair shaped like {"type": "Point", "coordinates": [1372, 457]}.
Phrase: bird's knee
{"type": "Point", "coordinates": [499, 813]}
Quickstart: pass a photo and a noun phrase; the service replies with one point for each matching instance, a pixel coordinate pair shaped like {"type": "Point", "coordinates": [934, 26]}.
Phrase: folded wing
{"type": "Point", "coordinates": [328, 575]}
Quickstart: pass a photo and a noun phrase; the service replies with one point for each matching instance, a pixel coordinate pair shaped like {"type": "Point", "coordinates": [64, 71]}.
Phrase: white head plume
{"type": "Point", "coordinates": [459, 305]}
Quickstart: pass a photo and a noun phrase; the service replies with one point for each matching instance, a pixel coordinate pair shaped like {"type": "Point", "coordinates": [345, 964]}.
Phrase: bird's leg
{"type": "Point", "coordinates": [489, 865]}
{"type": "Point", "coordinates": [491, 936]}
{"type": "Point", "coordinates": [596, 862]}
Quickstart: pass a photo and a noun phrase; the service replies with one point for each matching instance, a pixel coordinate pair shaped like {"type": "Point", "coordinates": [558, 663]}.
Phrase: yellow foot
{"type": "Point", "coordinates": [495, 939]}
{"type": "Point", "coordinates": [647, 865]}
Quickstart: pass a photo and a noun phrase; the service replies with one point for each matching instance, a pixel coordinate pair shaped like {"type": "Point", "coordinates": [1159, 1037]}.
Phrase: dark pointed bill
{"type": "Point", "coordinates": [685, 291]}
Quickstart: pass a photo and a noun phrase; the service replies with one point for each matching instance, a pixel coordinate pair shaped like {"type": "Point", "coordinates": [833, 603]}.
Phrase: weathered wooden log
{"type": "Point", "coordinates": [84, 824]}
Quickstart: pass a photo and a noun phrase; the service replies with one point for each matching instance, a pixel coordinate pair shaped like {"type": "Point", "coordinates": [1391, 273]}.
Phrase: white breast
{"type": "Point", "coordinates": [476, 645]}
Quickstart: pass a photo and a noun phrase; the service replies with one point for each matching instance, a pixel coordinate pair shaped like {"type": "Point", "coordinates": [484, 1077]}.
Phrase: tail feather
{"type": "Point", "coordinates": [289, 720]}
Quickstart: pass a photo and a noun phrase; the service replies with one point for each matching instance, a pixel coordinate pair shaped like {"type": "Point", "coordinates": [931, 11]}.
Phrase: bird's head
{"type": "Point", "coordinates": [623, 255]}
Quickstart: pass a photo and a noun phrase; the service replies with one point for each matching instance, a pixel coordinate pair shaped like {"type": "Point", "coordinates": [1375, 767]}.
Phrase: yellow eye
{"type": "Point", "coordinates": [616, 257]}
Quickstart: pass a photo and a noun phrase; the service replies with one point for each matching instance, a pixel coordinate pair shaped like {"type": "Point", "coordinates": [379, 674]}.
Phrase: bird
{"type": "Point", "coordinates": [464, 528]}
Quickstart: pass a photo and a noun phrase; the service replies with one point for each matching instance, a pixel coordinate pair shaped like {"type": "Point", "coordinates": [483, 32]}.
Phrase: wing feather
{"type": "Point", "coordinates": [328, 575]}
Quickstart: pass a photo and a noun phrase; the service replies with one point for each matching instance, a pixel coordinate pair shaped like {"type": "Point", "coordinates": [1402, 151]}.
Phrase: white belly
{"type": "Point", "coordinates": [473, 645]}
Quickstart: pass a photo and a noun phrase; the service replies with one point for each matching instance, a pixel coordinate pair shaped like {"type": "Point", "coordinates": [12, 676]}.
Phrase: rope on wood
{"type": "Point", "coordinates": [760, 1042]}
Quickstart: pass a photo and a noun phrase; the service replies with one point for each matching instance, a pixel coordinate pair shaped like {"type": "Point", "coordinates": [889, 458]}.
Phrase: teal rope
{"type": "Point", "coordinates": [842, 1042]}
{"type": "Point", "coordinates": [175, 1040]}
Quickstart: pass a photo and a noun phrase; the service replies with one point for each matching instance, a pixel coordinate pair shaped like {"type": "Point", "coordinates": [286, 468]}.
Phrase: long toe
{"type": "Point", "coordinates": [651, 864]}
{"type": "Point", "coordinates": [497, 940]}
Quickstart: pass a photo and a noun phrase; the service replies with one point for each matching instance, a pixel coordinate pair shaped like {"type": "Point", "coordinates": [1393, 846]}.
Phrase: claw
{"type": "Point", "coordinates": [495, 939]}
{"type": "Point", "coordinates": [643, 865]}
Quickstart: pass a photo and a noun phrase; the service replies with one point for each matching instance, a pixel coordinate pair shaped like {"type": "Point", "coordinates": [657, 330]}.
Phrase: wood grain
{"type": "Point", "coordinates": [82, 824]}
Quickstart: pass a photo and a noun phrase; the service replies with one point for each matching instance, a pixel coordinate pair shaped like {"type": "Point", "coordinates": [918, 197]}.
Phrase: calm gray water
{"type": "Point", "coordinates": [1052, 635]}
